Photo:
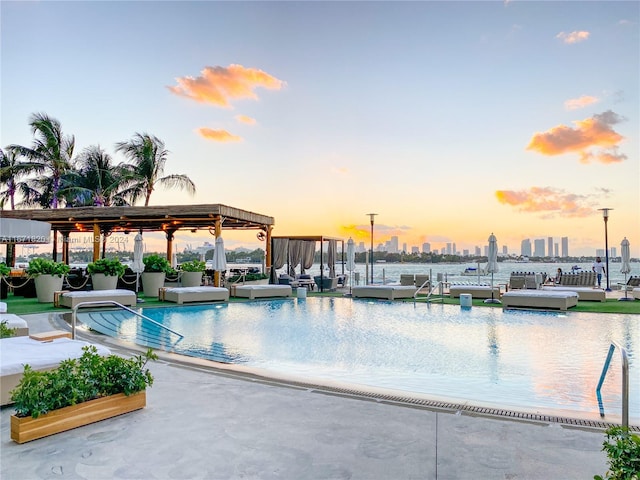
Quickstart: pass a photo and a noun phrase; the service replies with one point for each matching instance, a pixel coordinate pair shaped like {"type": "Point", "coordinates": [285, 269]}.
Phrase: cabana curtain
{"type": "Point", "coordinates": [331, 257]}
{"type": "Point", "coordinates": [296, 248]}
{"type": "Point", "coordinates": [308, 254]}
{"type": "Point", "coordinates": [279, 252]}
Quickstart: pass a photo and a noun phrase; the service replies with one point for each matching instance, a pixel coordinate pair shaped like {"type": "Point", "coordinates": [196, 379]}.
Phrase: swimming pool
{"type": "Point", "coordinates": [537, 361]}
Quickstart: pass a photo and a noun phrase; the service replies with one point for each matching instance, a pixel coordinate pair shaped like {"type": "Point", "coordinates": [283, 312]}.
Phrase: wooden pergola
{"type": "Point", "coordinates": [104, 221]}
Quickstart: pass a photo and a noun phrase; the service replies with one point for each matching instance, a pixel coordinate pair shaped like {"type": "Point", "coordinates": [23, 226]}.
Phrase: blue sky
{"type": "Point", "coordinates": [451, 120]}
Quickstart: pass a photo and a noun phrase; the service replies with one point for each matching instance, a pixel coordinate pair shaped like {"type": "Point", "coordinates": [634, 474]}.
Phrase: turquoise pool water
{"type": "Point", "coordinates": [533, 360]}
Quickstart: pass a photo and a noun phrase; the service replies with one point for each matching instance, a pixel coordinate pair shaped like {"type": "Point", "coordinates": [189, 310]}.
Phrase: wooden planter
{"type": "Point", "coordinates": [25, 429]}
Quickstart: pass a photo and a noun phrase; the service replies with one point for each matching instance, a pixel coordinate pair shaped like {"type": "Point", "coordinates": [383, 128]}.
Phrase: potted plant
{"type": "Point", "coordinates": [105, 273]}
{"type": "Point", "coordinates": [155, 270]}
{"type": "Point", "coordinates": [48, 276]}
{"type": "Point", "coordinates": [80, 391]}
{"type": "Point", "coordinates": [5, 271]}
{"type": "Point", "coordinates": [192, 272]}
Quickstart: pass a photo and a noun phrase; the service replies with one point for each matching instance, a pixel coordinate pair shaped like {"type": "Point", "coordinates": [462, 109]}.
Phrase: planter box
{"type": "Point", "coordinates": [152, 282]}
{"type": "Point", "coordinates": [192, 279]}
{"type": "Point", "coordinates": [25, 429]}
{"type": "Point", "coordinates": [46, 286]}
{"type": "Point", "coordinates": [100, 281]}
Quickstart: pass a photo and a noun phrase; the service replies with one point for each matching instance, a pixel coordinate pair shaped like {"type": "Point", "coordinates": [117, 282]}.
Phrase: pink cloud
{"type": "Point", "coordinates": [218, 135]}
{"type": "Point", "coordinates": [573, 37]}
{"type": "Point", "coordinates": [581, 102]}
{"type": "Point", "coordinates": [548, 200]}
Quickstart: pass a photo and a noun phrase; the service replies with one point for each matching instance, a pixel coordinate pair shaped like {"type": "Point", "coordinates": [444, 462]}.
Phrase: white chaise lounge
{"type": "Point", "coordinates": [182, 295]}
{"type": "Point", "coordinates": [584, 293]}
{"type": "Point", "coordinates": [549, 300]}
{"type": "Point", "coordinates": [476, 291]}
{"type": "Point", "coordinates": [14, 321]}
{"type": "Point", "coordinates": [123, 296]}
{"type": "Point", "coordinates": [385, 292]}
{"type": "Point", "coordinates": [262, 291]}
{"type": "Point", "coordinates": [15, 352]}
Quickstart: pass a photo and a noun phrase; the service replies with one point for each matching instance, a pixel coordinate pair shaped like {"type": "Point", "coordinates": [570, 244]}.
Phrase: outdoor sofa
{"type": "Point", "coordinates": [584, 293]}
{"type": "Point", "coordinates": [15, 352]}
{"type": "Point", "coordinates": [385, 292]}
{"type": "Point", "coordinates": [124, 297]}
{"type": "Point", "coordinates": [182, 295]}
{"type": "Point", "coordinates": [545, 299]}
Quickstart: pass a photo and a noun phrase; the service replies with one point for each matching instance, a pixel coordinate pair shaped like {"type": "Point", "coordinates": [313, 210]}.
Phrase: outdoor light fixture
{"type": "Point", "coordinates": [372, 216]}
{"type": "Point", "coordinates": [605, 216]}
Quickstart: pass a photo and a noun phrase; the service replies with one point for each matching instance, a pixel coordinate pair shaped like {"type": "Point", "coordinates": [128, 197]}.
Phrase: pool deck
{"type": "Point", "coordinates": [203, 424]}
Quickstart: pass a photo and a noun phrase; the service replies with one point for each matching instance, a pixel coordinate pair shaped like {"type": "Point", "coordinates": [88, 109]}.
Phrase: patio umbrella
{"type": "Point", "coordinates": [625, 253]}
{"type": "Point", "coordinates": [492, 265]}
{"type": "Point", "coordinates": [138, 264]}
{"type": "Point", "coordinates": [219, 259]}
{"type": "Point", "coordinates": [351, 260]}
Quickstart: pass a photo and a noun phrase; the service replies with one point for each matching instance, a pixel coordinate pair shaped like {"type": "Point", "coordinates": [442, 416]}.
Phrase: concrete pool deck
{"type": "Point", "coordinates": [203, 424]}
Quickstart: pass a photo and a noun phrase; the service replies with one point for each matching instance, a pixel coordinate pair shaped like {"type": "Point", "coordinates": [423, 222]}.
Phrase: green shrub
{"type": "Point", "coordinates": [156, 263]}
{"type": "Point", "coordinates": [5, 331]}
{"type": "Point", "coordinates": [109, 266]}
{"type": "Point", "coordinates": [80, 380]}
{"type": "Point", "coordinates": [43, 266]}
{"type": "Point", "coordinates": [193, 266]}
{"type": "Point", "coordinates": [4, 270]}
{"type": "Point", "coordinates": [623, 450]}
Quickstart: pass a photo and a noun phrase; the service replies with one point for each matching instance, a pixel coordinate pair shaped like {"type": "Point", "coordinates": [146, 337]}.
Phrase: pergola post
{"type": "Point", "coordinates": [268, 252]}
{"type": "Point", "coordinates": [169, 235]}
{"type": "Point", "coordinates": [217, 232]}
{"type": "Point", "coordinates": [96, 240]}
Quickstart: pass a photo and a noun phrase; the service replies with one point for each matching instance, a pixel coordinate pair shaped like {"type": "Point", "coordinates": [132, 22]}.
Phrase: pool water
{"type": "Point", "coordinates": [537, 361]}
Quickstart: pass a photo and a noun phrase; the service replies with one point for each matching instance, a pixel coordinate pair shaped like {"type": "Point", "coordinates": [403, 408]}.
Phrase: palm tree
{"type": "Point", "coordinates": [51, 156]}
{"type": "Point", "coordinates": [149, 156]}
{"type": "Point", "coordinates": [97, 181]}
{"type": "Point", "coordinates": [12, 167]}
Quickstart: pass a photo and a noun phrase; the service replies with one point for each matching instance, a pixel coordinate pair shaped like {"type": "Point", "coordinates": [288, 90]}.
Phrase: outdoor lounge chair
{"type": "Point", "coordinates": [14, 321]}
{"type": "Point", "coordinates": [632, 283]}
{"type": "Point", "coordinates": [327, 284]}
{"type": "Point", "coordinates": [384, 292]}
{"type": "Point", "coordinates": [15, 352]}
{"type": "Point", "coordinates": [544, 299]}
{"type": "Point", "coordinates": [125, 297]}
{"type": "Point", "coordinates": [584, 293]}
{"type": "Point", "coordinates": [182, 295]}
{"type": "Point", "coordinates": [262, 291]}
{"type": "Point", "coordinates": [476, 291]}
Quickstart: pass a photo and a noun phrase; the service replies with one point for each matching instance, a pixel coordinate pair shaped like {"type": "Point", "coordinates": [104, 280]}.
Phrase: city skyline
{"type": "Point", "coordinates": [461, 118]}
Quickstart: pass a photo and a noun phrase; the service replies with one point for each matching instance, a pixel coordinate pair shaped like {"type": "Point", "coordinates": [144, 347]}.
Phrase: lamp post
{"type": "Point", "coordinates": [371, 216]}
{"type": "Point", "coordinates": [605, 216]}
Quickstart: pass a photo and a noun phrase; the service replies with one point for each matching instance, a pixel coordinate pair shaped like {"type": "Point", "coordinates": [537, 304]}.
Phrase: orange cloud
{"type": "Point", "coordinates": [573, 37]}
{"type": "Point", "coordinates": [588, 134]}
{"type": "Point", "coordinates": [382, 233]}
{"type": "Point", "coordinates": [549, 200]}
{"type": "Point", "coordinates": [219, 85]}
{"type": "Point", "coordinates": [581, 102]}
{"type": "Point", "coordinates": [218, 135]}
{"type": "Point", "coordinates": [245, 119]}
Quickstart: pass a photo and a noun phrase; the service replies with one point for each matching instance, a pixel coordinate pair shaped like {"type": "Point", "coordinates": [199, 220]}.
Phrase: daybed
{"type": "Point", "coordinates": [181, 295]}
{"type": "Point", "coordinates": [71, 299]}
{"type": "Point", "coordinates": [551, 300]}
{"type": "Point", "coordinates": [584, 293]}
{"type": "Point", "coordinates": [387, 292]}
{"type": "Point", "coordinates": [262, 291]}
{"type": "Point", "coordinates": [15, 352]}
{"type": "Point", "coordinates": [14, 321]}
{"type": "Point", "coordinates": [476, 291]}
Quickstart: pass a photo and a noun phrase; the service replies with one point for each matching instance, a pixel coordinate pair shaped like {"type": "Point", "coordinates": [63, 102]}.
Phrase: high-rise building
{"type": "Point", "coordinates": [404, 247]}
{"type": "Point", "coordinates": [550, 246]}
{"type": "Point", "coordinates": [478, 251]}
{"type": "Point", "coordinates": [555, 249]}
{"type": "Point", "coordinates": [525, 248]}
{"type": "Point", "coordinates": [414, 249]}
{"type": "Point", "coordinates": [393, 245]}
{"type": "Point", "coordinates": [426, 248]}
{"type": "Point", "coordinates": [565, 246]}
{"type": "Point", "coordinates": [538, 247]}
{"type": "Point", "coordinates": [505, 250]}
{"type": "Point", "coordinates": [455, 251]}
{"type": "Point", "coordinates": [613, 252]}
{"type": "Point", "coordinates": [465, 253]}
{"type": "Point", "coordinates": [448, 249]}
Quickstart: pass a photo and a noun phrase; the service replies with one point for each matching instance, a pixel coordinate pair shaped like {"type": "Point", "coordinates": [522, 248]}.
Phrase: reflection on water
{"type": "Point", "coordinates": [514, 358]}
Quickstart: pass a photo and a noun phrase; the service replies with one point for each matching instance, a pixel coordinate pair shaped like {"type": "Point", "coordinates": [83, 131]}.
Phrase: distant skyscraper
{"type": "Point", "coordinates": [414, 249]}
{"type": "Point", "coordinates": [455, 251]}
{"type": "Point", "coordinates": [565, 246]}
{"type": "Point", "coordinates": [448, 249]}
{"type": "Point", "coordinates": [555, 249]}
{"type": "Point", "coordinates": [613, 252]}
{"type": "Point", "coordinates": [404, 247]}
{"type": "Point", "coordinates": [538, 247]}
{"type": "Point", "coordinates": [465, 253]}
{"type": "Point", "coordinates": [599, 252]}
{"type": "Point", "coordinates": [478, 251]}
{"type": "Point", "coordinates": [505, 250]}
{"type": "Point", "coordinates": [361, 247]}
{"type": "Point", "coordinates": [426, 248]}
{"type": "Point", "coordinates": [550, 246]}
{"type": "Point", "coordinates": [393, 245]}
{"type": "Point", "coordinates": [525, 248]}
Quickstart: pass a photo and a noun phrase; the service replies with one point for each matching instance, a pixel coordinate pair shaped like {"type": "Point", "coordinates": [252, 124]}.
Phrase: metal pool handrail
{"type": "Point", "coordinates": [439, 285]}
{"type": "Point", "coordinates": [625, 382]}
{"type": "Point", "coordinates": [74, 315]}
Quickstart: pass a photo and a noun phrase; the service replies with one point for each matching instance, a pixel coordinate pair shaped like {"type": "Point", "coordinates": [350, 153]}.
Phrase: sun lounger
{"type": "Point", "coordinates": [386, 292]}
{"type": "Point", "coordinates": [262, 291]}
{"type": "Point", "coordinates": [476, 291]}
{"type": "Point", "coordinates": [14, 321]}
{"type": "Point", "coordinates": [182, 295]}
{"type": "Point", "coordinates": [550, 300]}
{"type": "Point", "coordinates": [15, 352]}
{"type": "Point", "coordinates": [71, 299]}
{"type": "Point", "coordinates": [584, 293]}
{"type": "Point", "coordinates": [636, 293]}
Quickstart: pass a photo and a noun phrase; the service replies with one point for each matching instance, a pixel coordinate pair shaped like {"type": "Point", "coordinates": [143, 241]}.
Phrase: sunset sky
{"type": "Point", "coordinates": [450, 120]}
